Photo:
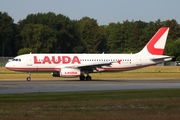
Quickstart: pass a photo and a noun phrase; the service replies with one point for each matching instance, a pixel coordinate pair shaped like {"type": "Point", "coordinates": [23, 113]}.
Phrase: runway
{"type": "Point", "coordinates": [15, 86]}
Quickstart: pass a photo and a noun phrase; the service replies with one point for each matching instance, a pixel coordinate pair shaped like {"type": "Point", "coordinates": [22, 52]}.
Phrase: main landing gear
{"type": "Point", "coordinates": [82, 77]}
{"type": "Point", "coordinates": [29, 76]}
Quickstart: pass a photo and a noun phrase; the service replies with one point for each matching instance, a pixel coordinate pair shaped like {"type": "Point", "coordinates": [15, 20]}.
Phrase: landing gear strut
{"type": "Point", "coordinates": [29, 77]}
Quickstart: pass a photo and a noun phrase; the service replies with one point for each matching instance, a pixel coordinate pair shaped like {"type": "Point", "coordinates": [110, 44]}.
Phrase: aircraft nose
{"type": "Point", "coordinates": [8, 65]}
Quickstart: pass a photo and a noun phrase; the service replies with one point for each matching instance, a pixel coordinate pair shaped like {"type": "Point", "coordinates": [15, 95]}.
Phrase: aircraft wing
{"type": "Point", "coordinates": [95, 64]}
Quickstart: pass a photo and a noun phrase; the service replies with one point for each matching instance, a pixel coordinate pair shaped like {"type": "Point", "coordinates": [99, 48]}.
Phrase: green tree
{"type": "Point", "coordinates": [147, 33]}
{"type": "Point", "coordinates": [67, 34]}
{"type": "Point", "coordinates": [24, 51]}
{"type": "Point", "coordinates": [174, 32]}
{"type": "Point", "coordinates": [6, 35]}
{"type": "Point", "coordinates": [38, 37]}
{"type": "Point", "coordinates": [64, 28]}
{"type": "Point", "coordinates": [128, 36]}
{"type": "Point", "coordinates": [173, 49]}
{"type": "Point", "coordinates": [91, 35]}
{"type": "Point", "coordinates": [138, 35]}
{"type": "Point", "coordinates": [114, 36]}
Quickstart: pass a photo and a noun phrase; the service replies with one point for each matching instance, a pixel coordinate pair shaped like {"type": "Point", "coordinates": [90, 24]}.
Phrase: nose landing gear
{"type": "Point", "coordinates": [29, 77]}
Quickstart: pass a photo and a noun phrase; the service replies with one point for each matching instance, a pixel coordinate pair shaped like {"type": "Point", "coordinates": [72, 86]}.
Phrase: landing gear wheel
{"type": "Point", "coordinates": [88, 77]}
{"type": "Point", "coordinates": [28, 78]}
{"type": "Point", "coordinates": [82, 77]}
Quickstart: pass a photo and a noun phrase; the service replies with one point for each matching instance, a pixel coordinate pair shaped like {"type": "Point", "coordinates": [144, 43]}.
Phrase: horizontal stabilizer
{"type": "Point", "coordinates": [165, 58]}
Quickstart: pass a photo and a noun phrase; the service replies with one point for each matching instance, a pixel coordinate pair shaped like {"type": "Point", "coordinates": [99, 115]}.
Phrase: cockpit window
{"type": "Point", "coordinates": [16, 59]}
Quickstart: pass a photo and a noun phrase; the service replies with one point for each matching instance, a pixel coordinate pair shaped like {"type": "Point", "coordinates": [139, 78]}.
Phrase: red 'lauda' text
{"type": "Point", "coordinates": [57, 60]}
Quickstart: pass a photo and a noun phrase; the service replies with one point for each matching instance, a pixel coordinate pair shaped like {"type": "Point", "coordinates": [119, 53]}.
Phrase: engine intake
{"type": "Point", "coordinates": [55, 74]}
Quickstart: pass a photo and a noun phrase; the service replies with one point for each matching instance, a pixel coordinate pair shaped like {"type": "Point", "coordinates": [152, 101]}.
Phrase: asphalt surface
{"type": "Point", "coordinates": [14, 86]}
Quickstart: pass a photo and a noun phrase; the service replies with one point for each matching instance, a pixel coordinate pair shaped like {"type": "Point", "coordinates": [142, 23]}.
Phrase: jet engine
{"type": "Point", "coordinates": [67, 72]}
{"type": "Point", "coordinates": [56, 74]}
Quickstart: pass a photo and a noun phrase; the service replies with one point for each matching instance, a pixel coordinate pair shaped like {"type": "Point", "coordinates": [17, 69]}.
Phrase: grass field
{"type": "Point", "coordinates": [148, 72]}
{"type": "Point", "coordinates": [100, 105]}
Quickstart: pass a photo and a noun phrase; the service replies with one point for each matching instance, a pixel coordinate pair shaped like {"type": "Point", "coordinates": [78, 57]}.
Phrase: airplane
{"type": "Point", "coordinates": [79, 65]}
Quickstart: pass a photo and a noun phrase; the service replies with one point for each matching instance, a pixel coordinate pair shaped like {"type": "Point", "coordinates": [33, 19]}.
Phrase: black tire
{"type": "Point", "coordinates": [82, 78]}
{"type": "Point", "coordinates": [88, 78]}
{"type": "Point", "coordinates": [28, 78]}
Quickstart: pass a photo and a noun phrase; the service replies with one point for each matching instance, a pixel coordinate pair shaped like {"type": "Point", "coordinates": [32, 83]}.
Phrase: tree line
{"type": "Point", "coordinates": [57, 33]}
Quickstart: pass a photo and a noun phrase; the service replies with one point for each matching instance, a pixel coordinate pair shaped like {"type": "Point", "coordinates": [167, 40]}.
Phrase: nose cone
{"type": "Point", "coordinates": [8, 66]}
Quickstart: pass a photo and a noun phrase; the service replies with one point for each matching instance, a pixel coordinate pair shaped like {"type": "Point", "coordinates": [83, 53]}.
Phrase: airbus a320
{"type": "Point", "coordinates": [81, 65]}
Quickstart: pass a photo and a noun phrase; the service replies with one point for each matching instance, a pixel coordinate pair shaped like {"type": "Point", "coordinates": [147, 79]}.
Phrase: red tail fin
{"type": "Point", "coordinates": [157, 43]}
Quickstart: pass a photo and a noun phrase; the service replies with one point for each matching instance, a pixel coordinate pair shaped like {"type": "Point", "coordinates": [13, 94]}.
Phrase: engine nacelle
{"type": "Point", "coordinates": [70, 72]}
{"type": "Point", "coordinates": [67, 72]}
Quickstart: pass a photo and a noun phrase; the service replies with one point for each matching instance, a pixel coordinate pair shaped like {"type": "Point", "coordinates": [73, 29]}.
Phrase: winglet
{"type": "Point", "coordinates": [157, 43]}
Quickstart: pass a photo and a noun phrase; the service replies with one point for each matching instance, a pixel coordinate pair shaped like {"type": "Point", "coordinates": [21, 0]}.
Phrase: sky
{"type": "Point", "coordinates": [104, 11]}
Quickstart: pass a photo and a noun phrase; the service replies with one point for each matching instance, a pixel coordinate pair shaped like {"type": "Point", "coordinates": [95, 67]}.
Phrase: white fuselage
{"type": "Point", "coordinates": [55, 62]}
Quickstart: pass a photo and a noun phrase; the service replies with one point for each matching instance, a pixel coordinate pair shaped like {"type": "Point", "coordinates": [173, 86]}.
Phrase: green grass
{"type": "Point", "coordinates": [124, 105]}
{"type": "Point", "coordinates": [91, 95]}
{"type": "Point", "coordinates": [148, 72]}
